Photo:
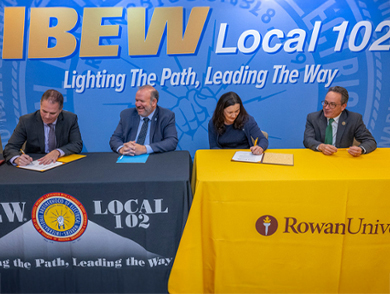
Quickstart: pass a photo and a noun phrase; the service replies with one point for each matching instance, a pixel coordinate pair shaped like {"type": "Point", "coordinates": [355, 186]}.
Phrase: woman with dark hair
{"type": "Point", "coordinates": [231, 127]}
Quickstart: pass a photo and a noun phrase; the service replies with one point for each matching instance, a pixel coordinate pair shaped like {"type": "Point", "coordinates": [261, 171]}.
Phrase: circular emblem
{"type": "Point", "coordinates": [266, 225]}
{"type": "Point", "coordinates": [361, 71]}
{"type": "Point", "coordinates": [59, 217]}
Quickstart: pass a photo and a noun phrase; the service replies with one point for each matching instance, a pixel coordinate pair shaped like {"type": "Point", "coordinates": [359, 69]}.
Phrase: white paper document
{"type": "Point", "coordinates": [246, 156]}
{"type": "Point", "coordinates": [40, 167]}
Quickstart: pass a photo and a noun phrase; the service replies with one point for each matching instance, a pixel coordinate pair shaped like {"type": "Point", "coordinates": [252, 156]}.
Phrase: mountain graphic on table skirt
{"type": "Point", "coordinates": [96, 242]}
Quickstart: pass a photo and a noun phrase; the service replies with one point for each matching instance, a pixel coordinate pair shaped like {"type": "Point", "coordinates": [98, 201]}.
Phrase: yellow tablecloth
{"type": "Point", "coordinates": [328, 221]}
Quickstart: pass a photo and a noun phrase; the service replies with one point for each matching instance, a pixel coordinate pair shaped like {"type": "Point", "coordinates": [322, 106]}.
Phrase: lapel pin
{"type": "Point", "coordinates": [343, 123]}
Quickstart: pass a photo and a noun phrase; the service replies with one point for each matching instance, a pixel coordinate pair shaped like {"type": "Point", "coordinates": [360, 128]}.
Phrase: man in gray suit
{"type": "Point", "coordinates": [147, 128]}
{"type": "Point", "coordinates": [49, 130]}
{"type": "Point", "coordinates": [335, 127]}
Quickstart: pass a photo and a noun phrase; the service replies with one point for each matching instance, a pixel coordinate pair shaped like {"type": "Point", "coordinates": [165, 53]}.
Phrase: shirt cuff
{"type": "Point", "coordinates": [119, 148]}
{"type": "Point", "coordinates": [12, 160]}
{"type": "Point", "coordinates": [149, 149]}
{"type": "Point", "coordinates": [364, 150]}
{"type": "Point", "coordinates": [62, 153]}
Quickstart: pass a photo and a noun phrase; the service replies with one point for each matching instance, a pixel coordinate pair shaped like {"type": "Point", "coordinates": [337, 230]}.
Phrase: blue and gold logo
{"type": "Point", "coordinates": [59, 217]}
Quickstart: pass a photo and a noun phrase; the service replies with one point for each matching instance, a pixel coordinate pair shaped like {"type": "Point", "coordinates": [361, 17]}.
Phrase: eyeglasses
{"type": "Point", "coordinates": [331, 104]}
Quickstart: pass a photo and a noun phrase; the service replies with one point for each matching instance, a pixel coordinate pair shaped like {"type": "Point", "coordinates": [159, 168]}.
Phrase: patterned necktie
{"type": "Point", "coordinates": [329, 132]}
{"type": "Point", "coordinates": [52, 138]}
{"type": "Point", "coordinates": [142, 133]}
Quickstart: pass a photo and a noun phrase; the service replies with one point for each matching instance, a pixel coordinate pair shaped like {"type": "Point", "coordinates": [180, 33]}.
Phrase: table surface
{"type": "Point", "coordinates": [223, 251]}
{"type": "Point", "coordinates": [308, 165]}
{"type": "Point", "coordinates": [136, 213]}
{"type": "Point", "coordinates": [102, 167]}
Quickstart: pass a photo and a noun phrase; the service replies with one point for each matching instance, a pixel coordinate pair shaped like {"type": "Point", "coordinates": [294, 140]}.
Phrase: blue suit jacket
{"type": "Point", "coordinates": [163, 133]}
{"type": "Point", "coordinates": [30, 129]}
{"type": "Point", "coordinates": [350, 126]}
{"type": "Point", "coordinates": [251, 130]}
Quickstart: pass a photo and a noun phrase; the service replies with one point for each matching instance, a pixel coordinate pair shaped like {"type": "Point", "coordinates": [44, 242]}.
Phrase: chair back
{"type": "Point", "coordinates": [265, 134]}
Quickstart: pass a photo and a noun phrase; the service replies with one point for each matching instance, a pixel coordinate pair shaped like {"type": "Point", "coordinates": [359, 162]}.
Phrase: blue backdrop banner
{"type": "Point", "coordinates": [280, 56]}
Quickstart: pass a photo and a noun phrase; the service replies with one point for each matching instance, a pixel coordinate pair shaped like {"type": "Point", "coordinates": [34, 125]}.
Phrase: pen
{"type": "Point", "coordinates": [121, 157]}
{"type": "Point", "coordinates": [254, 142]}
{"type": "Point", "coordinates": [21, 150]}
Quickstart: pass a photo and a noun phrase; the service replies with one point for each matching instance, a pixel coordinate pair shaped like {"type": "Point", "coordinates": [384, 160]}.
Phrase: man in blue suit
{"type": "Point", "coordinates": [147, 128]}
{"type": "Point", "coordinates": [335, 127]}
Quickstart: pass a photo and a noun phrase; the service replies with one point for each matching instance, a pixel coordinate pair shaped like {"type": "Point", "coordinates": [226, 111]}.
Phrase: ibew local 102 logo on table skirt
{"type": "Point", "coordinates": [59, 217]}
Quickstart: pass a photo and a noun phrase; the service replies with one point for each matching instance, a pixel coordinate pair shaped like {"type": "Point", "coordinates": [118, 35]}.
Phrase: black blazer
{"type": "Point", "coordinates": [30, 129]}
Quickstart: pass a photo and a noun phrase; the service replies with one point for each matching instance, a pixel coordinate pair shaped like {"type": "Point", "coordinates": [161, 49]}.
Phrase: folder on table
{"type": "Point", "coordinates": [69, 158]}
{"type": "Point", "coordinates": [266, 158]}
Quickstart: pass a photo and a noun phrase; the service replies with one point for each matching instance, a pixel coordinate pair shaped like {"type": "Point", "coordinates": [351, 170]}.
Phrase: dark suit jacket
{"type": "Point", "coordinates": [251, 130]}
{"type": "Point", "coordinates": [350, 126]}
{"type": "Point", "coordinates": [30, 129]}
{"type": "Point", "coordinates": [163, 133]}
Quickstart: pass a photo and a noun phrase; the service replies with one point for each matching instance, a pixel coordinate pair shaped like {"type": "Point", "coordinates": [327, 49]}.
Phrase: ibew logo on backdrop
{"type": "Point", "coordinates": [59, 217]}
{"type": "Point", "coordinates": [133, 213]}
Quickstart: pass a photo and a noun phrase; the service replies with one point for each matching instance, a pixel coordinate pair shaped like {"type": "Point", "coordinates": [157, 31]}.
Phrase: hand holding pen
{"type": "Point", "coordinates": [256, 150]}
{"type": "Point", "coordinates": [23, 159]}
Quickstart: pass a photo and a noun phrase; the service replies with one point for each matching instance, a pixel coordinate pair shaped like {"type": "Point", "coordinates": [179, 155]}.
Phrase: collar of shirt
{"type": "Point", "coordinates": [54, 123]}
{"type": "Point", "coordinates": [336, 119]}
{"type": "Point", "coordinates": [149, 116]}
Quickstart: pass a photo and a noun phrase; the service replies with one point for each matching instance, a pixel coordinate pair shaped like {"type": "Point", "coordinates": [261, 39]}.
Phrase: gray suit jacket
{"type": "Point", "coordinates": [350, 126]}
{"type": "Point", "coordinates": [163, 133]}
{"type": "Point", "coordinates": [30, 129]}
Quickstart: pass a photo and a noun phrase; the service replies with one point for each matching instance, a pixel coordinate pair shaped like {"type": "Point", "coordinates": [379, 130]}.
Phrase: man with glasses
{"type": "Point", "coordinates": [335, 127]}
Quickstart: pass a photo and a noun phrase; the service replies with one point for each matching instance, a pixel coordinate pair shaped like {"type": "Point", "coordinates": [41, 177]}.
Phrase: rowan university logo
{"type": "Point", "coordinates": [59, 217]}
{"type": "Point", "coordinates": [266, 225]}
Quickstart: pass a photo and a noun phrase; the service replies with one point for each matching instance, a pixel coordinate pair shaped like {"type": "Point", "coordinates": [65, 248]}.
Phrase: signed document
{"type": "Point", "coordinates": [266, 157]}
{"type": "Point", "coordinates": [246, 156]}
{"type": "Point", "coordinates": [40, 167]}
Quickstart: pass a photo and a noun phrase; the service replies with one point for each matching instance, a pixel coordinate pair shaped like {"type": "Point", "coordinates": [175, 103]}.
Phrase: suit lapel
{"type": "Point", "coordinates": [133, 126]}
{"type": "Point", "coordinates": [41, 131]}
{"type": "Point", "coordinates": [323, 124]}
{"type": "Point", "coordinates": [59, 129]}
{"type": "Point", "coordinates": [153, 125]}
{"type": "Point", "coordinates": [341, 127]}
